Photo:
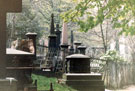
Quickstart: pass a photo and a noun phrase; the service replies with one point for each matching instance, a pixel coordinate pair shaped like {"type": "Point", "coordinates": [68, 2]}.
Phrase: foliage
{"type": "Point", "coordinates": [23, 23]}
{"type": "Point", "coordinates": [112, 55]}
{"type": "Point", "coordinates": [121, 12]}
{"type": "Point", "coordinates": [35, 17]}
{"type": "Point", "coordinates": [43, 83]}
{"type": "Point", "coordinates": [44, 8]}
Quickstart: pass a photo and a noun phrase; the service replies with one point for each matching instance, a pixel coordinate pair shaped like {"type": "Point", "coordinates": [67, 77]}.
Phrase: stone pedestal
{"type": "Point", "coordinates": [33, 37]}
{"type": "Point", "coordinates": [85, 82]}
{"type": "Point", "coordinates": [78, 74]}
{"type": "Point", "coordinates": [76, 43]}
{"type": "Point", "coordinates": [82, 49]}
{"type": "Point", "coordinates": [64, 53]}
{"type": "Point", "coordinates": [30, 88]}
{"type": "Point", "coordinates": [8, 85]}
{"type": "Point", "coordinates": [58, 33]}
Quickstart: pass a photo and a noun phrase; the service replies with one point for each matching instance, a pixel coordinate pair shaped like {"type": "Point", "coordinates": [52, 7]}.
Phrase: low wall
{"type": "Point", "coordinates": [119, 74]}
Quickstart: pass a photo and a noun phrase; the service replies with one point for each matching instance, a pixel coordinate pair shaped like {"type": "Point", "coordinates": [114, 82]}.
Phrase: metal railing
{"type": "Point", "coordinates": [97, 65]}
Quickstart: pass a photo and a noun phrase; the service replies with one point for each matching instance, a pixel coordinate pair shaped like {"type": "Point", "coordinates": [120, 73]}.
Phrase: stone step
{"type": "Point", "coordinates": [83, 77]}
{"type": "Point", "coordinates": [85, 82]}
{"type": "Point", "coordinates": [88, 88]}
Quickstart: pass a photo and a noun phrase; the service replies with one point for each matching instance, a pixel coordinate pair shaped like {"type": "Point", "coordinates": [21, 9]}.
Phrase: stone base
{"type": "Point", "coordinates": [85, 82]}
{"type": "Point", "coordinates": [30, 88]}
{"type": "Point", "coordinates": [9, 84]}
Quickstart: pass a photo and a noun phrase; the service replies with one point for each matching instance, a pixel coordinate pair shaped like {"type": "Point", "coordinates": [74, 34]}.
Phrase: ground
{"type": "Point", "coordinates": [127, 88]}
{"type": "Point", "coordinates": [44, 84]}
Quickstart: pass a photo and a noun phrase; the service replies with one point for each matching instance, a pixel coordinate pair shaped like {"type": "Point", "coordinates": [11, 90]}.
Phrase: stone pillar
{"type": "Point", "coordinates": [64, 40]}
{"type": "Point", "coordinates": [58, 34]}
{"type": "Point", "coordinates": [2, 45]}
{"type": "Point", "coordinates": [6, 6]}
{"type": "Point", "coordinates": [76, 43]}
{"type": "Point", "coordinates": [52, 37]}
{"type": "Point", "coordinates": [64, 44]}
{"type": "Point", "coordinates": [33, 37]}
{"type": "Point", "coordinates": [64, 53]}
{"type": "Point", "coordinates": [71, 49]}
{"type": "Point", "coordinates": [82, 49]}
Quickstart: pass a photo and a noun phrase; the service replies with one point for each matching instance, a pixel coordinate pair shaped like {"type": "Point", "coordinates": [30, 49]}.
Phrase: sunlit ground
{"type": "Point", "coordinates": [127, 88]}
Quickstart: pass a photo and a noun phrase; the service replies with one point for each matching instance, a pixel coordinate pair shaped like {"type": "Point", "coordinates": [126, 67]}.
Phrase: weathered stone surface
{"type": "Point", "coordinates": [10, 51]}
{"type": "Point", "coordinates": [77, 56]}
{"type": "Point", "coordinates": [83, 77]}
{"type": "Point", "coordinates": [78, 63]}
{"type": "Point", "coordinates": [85, 82]}
{"type": "Point", "coordinates": [6, 6]}
{"type": "Point", "coordinates": [8, 85]}
{"type": "Point", "coordinates": [89, 88]}
{"type": "Point", "coordinates": [30, 88]}
{"type": "Point", "coordinates": [64, 40]}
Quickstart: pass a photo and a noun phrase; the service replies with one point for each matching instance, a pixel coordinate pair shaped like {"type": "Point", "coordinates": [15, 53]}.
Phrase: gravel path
{"type": "Point", "coordinates": [128, 88]}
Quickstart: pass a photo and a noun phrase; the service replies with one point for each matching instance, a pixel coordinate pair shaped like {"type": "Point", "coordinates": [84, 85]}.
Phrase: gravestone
{"type": "Point", "coordinates": [78, 63]}
{"type": "Point", "coordinates": [76, 43]}
{"type": "Point", "coordinates": [6, 6]}
{"type": "Point", "coordinates": [71, 49]}
{"type": "Point", "coordinates": [52, 36]}
{"type": "Point", "coordinates": [82, 49]}
{"type": "Point", "coordinates": [64, 44]}
{"type": "Point", "coordinates": [58, 33]}
{"type": "Point", "coordinates": [78, 74]}
{"type": "Point", "coordinates": [51, 45]}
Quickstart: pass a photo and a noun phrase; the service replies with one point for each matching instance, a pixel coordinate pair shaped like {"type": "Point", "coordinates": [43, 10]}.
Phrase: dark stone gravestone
{"type": "Point", "coordinates": [51, 45]}
{"type": "Point", "coordinates": [82, 49]}
{"type": "Point", "coordinates": [78, 63]}
{"type": "Point", "coordinates": [78, 74]}
{"type": "Point", "coordinates": [52, 36]}
{"type": "Point", "coordinates": [5, 7]}
{"type": "Point", "coordinates": [71, 49]}
{"type": "Point", "coordinates": [58, 33]}
{"type": "Point", "coordinates": [20, 62]}
{"type": "Point", "coordinates": [76, 43]}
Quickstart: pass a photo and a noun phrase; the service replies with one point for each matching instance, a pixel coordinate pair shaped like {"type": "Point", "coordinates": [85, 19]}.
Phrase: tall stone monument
{"type": "Point", "coordinates": [64, 40]}
{"type": "Point", "coordinates": [51, 44]}
{"type": "Point", "coordinates": [64, 43]}
{"type": "Point", "coordinates": [52, 36]}
{"type": "Point", "coordinates": [5, 7]}
{"type": "Point", "coordinates": [58, 33]}
{"type": "Point", "coordinates": [72, 43]}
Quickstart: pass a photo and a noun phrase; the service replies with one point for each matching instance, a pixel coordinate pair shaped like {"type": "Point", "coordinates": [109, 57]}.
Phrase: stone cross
{"type": "Point", "coordinates": [5, 7]}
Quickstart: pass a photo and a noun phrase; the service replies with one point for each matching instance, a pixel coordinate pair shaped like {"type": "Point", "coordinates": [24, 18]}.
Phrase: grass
{"type": "Point", "coordinates": [43, 83]}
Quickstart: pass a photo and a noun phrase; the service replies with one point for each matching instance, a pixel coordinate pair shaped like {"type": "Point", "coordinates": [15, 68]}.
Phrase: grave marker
{"type": "Point", "coordinates": [6, 6]}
